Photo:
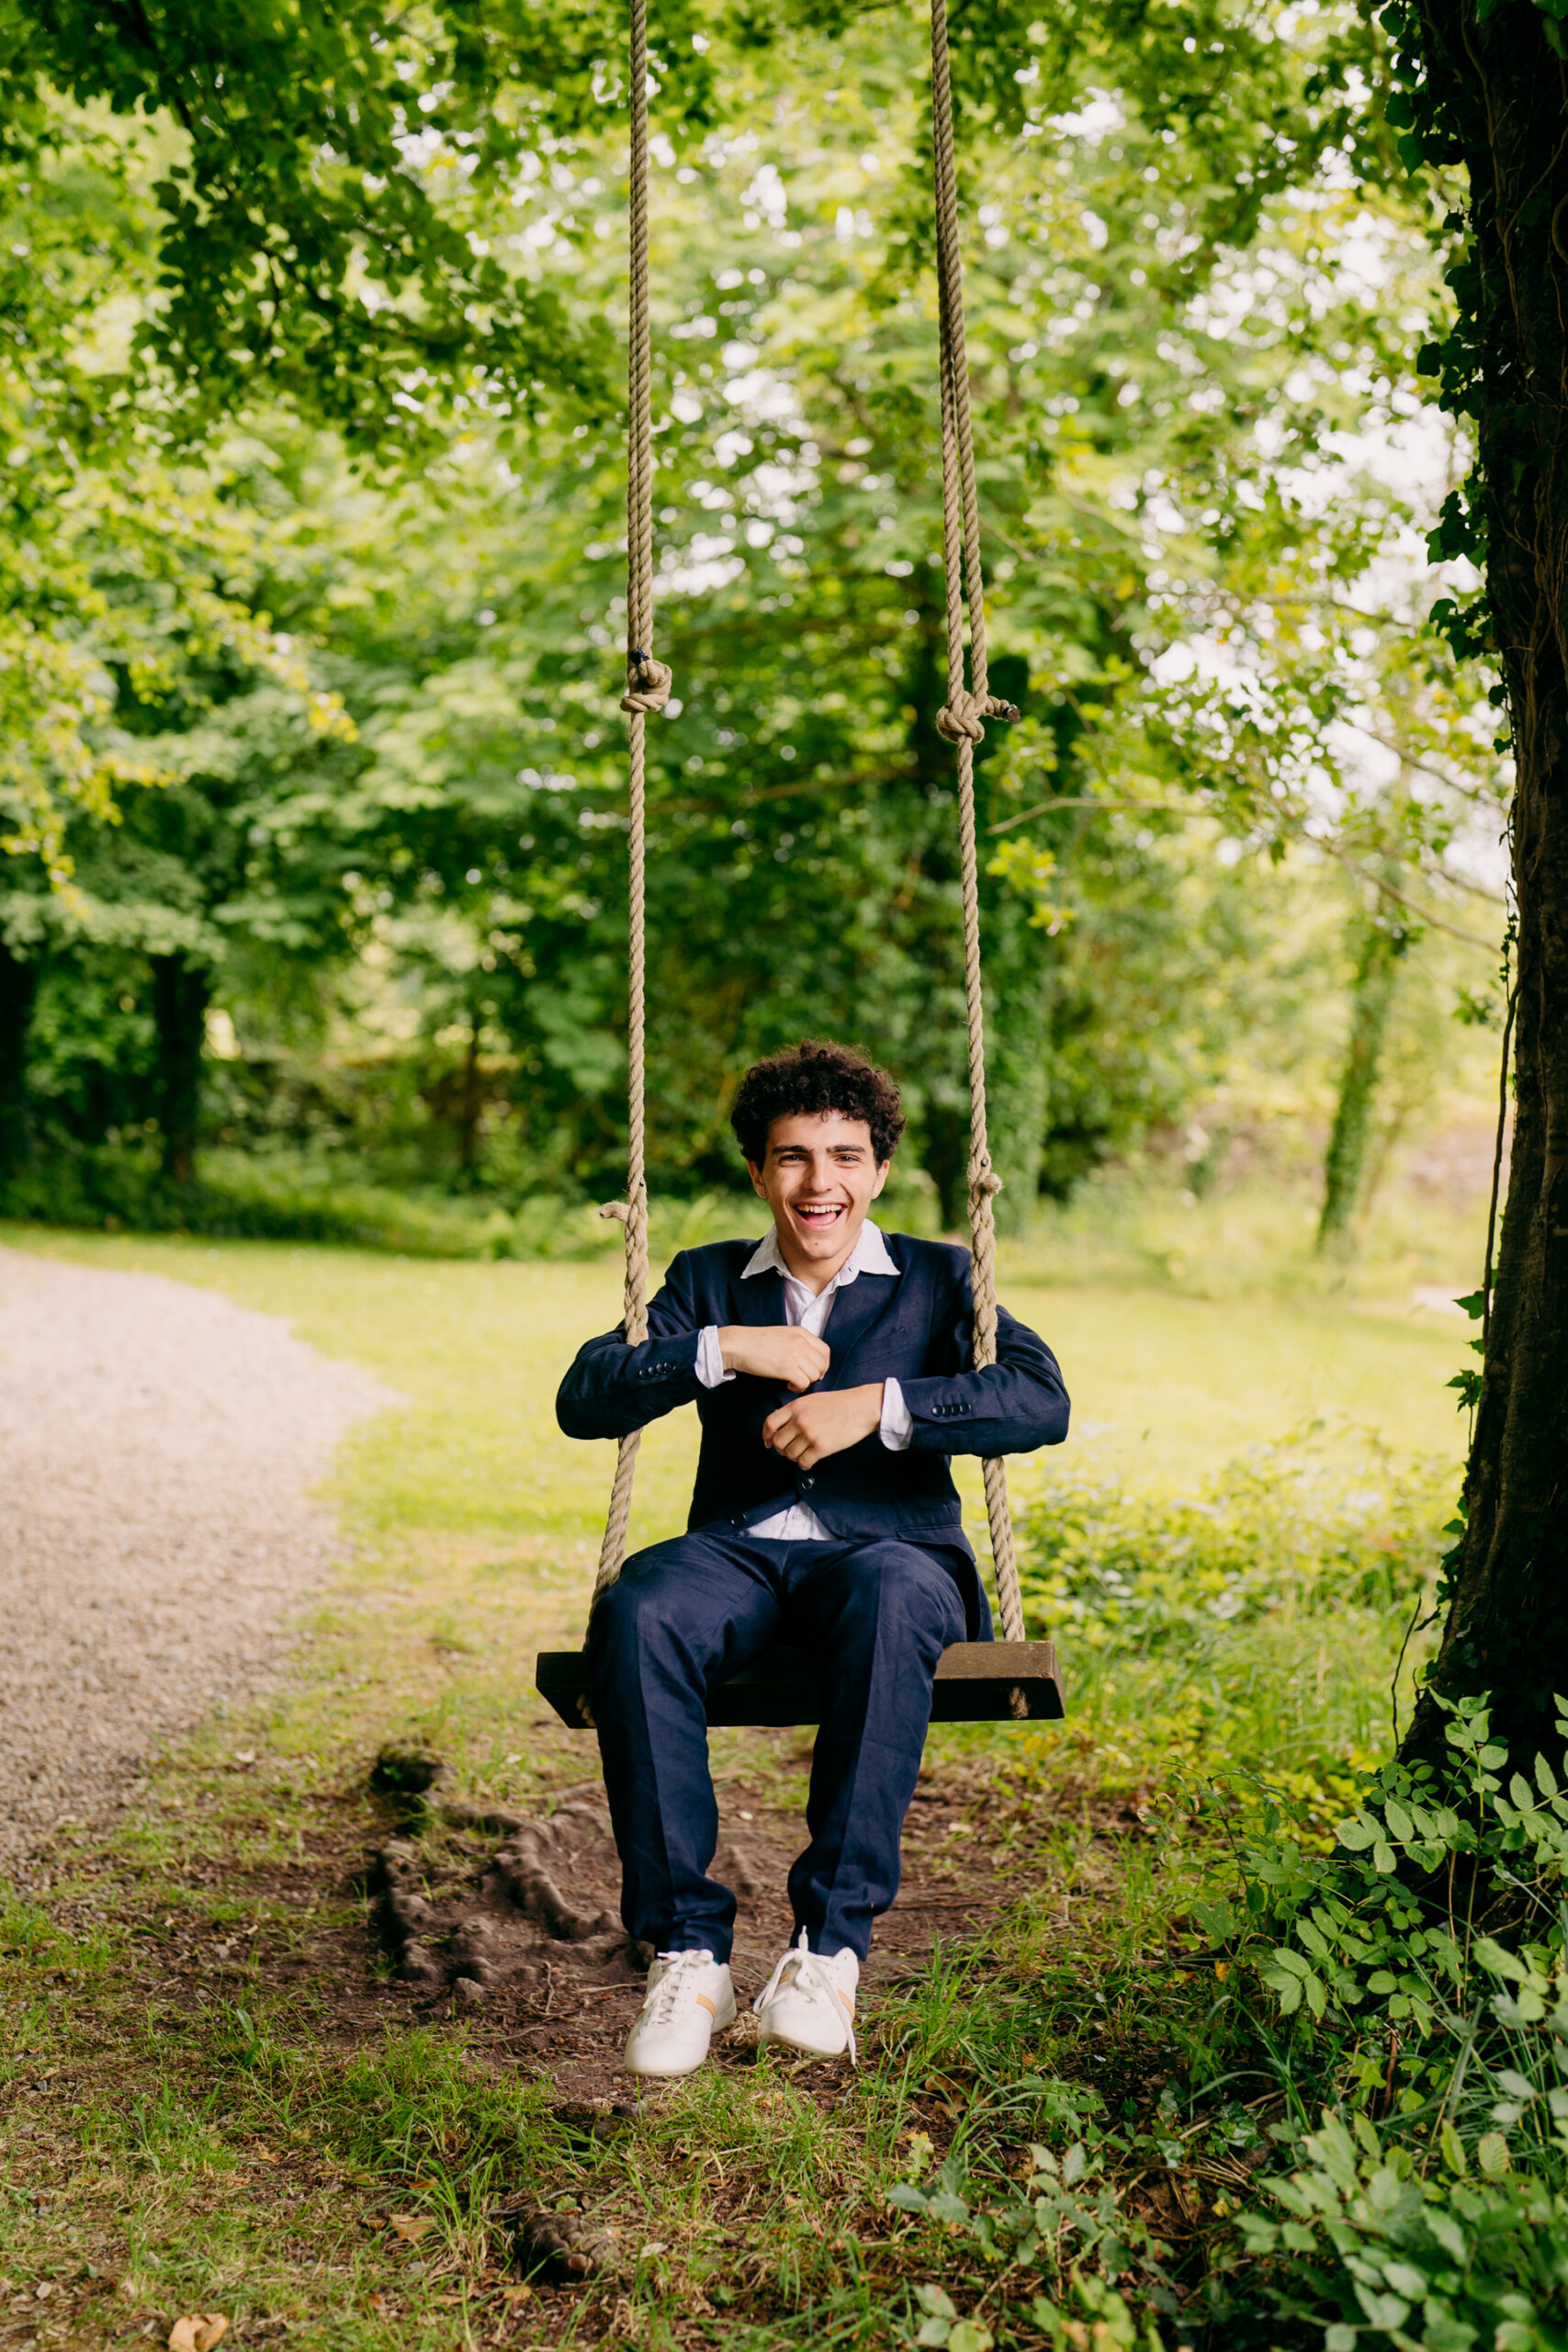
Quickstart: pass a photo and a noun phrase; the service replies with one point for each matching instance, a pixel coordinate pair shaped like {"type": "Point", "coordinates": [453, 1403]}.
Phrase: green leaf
{"type": "Point", "coordinates": [1358, 1835]}
{"type": "Point", "coordinates": [937, 2301]}
{"type": "Point", "coordinates": [1382, 1859]}
{"type": "Point", "coordinates": [970, 2336]}
{"type": "Point", "coordinates": [933, 2331]}
{"type": "Point", "coordinates": [1453, 2154]}
{"type": "Point", "coordinates": [1492, 2153]}
{"type": "Point", "coordinates": [1287, 1991]}
{"type": "Point", "coordinates": [1389, 2312]}
{"type": "Point", "coordinates": [1545, 1778]}
{"type": "Point", "coordinates": [909, 2198]}
{"type": "Point", "coordinates": [1399, 1821]}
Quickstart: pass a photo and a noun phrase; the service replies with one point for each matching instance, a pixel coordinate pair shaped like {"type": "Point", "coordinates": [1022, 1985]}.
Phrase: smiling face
{"type": "Point", "coordinates": [819, 1178]}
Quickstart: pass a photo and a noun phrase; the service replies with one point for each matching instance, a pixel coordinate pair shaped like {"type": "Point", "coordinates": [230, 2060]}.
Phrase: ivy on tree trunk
{"type": "Point", "coordinates": [1488, 88]}
{"type": "Point", "coordinates": [1345, 1165]}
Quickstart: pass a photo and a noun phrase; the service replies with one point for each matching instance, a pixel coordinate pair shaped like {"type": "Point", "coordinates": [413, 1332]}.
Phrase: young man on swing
{"type": "Point", "coordinates": [832, 1368]}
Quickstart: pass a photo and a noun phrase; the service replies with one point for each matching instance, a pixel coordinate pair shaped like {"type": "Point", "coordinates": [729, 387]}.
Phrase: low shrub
{"type": "Point", "coordinates": [1256, 1625]}
{"type": "Point", "coordinates": [1395, 2011]}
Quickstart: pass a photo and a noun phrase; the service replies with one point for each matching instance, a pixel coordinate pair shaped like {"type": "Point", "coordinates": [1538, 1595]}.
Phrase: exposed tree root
{"type": "Point", "coordinates": [572, 2245]}
{"type": "Point", "coordinates": [518, 1922]}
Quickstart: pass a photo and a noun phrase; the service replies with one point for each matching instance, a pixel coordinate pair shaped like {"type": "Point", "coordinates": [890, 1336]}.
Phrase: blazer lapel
{"type": "Point", "coordinates": [758, 1299]}
{"type": "Point", "coordinates": [855, 1315]}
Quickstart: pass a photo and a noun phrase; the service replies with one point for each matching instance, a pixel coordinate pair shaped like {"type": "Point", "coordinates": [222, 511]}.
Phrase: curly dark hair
{"type": "Point", "coordinates": [805, 1080]}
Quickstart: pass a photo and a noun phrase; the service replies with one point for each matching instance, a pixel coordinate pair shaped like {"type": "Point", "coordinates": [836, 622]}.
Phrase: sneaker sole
{"type": "Point", "coordinates": [799, 2049]}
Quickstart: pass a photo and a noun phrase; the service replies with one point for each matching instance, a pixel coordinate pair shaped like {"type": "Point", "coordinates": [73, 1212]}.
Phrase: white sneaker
{"type": "Point", "coordinates": [808, 2003]}
{"type": "Point", "coordinates": [689, 1999]}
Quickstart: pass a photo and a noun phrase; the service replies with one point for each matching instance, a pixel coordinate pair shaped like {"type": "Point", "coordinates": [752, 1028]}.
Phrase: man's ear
{"type": "Point", "coordinates": [757, 1184]}
{"type": "Point", "coordinates": [882, 1175]}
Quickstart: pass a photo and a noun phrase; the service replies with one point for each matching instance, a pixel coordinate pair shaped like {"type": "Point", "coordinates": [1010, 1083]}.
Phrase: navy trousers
{"type": "Point", "coordinates": [702, 1606]}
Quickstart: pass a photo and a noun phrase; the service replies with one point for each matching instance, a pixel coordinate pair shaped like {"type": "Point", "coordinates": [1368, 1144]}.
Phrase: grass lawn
{"type": "Point", "coordinates": [201, 2118]}
{"type": "Point", "coordinates": [1164, 1388]}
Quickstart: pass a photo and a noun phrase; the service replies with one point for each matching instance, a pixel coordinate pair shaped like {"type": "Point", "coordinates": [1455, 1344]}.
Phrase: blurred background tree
{"type": "Point", "coordinates": [335, 891]}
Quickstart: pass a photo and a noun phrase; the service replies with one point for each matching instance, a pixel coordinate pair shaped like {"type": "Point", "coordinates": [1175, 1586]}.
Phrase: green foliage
{"type": "Point", "coordinates": [1255, 1626]}
{"type": "Point", "coordinates": [1445, 2222]}
{"type": "Point", "coordinates": [1408, 2069]}
{"type": "Point", "coordinates": [1282, 1528]}
{"type": "Point", "coordinates": [315, 204]}
{"type": "Point", "coordinates": [413, 905]}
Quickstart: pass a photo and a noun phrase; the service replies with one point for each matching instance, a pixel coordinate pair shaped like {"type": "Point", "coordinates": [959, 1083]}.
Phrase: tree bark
{"type": "Point", "coordinates": [18, 988]}
{"type": "Point", "coordinates": [180, 995]}
{"type": "Point", "coordinates": [1503, 100]}
{"type": "Point", "coordinates": [1345, 1163]}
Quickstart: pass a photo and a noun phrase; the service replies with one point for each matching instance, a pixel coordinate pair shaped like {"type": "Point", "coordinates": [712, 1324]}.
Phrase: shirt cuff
{"type": "Point", "coordinates": [710, 1364]}
{"type": "Point", "coordinates": [897, 1421]}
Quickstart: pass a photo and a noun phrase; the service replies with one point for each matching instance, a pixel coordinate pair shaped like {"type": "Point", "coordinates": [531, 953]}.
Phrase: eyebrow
{"type": "Point", "coordinates": [782, 1150]}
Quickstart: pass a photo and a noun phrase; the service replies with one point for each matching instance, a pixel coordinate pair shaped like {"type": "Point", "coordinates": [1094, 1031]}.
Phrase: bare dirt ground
{"type": "Point", "coordinates": [155, 1445]}
{"type": "Point", "coordinates": [525, 1939]}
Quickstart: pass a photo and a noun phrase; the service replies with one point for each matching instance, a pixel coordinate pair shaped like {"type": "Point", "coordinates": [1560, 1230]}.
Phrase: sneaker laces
{"type": "Point", "coordinates": [675, 1985]}
{"type": "Point", "coordinates": [807, 1970]}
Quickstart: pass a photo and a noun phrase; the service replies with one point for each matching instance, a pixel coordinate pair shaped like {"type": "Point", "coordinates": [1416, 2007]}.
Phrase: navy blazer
{"type": "Point", "coordinates": [917, 1330]}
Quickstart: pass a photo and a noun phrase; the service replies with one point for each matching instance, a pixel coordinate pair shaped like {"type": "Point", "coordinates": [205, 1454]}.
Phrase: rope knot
{"type": "Point", "coordinates": [619, 1211]}
{"type": "Point", "coordinates": [987, 1186]}
{"type": "Point", "coordinates": [959, 719]}
{"type": "Point", "coordinates": [648, 682]}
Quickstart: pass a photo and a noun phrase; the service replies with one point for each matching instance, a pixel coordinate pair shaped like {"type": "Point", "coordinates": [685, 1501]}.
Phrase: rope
{"type": "Point", "coordinates": [647, 688]}
{"type": "Point", "coordinates": [960, 720]}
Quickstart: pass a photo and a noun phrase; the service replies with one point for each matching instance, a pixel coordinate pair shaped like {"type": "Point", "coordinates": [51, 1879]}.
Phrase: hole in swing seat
{"type": "Point", "coordinates": [975, 1684]}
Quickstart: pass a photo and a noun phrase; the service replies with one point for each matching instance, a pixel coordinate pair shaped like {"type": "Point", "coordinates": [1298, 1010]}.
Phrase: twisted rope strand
{"type": "Point", "coordinates": [647, 688]}
{"type": "Point", "coordinates": [961, 722]}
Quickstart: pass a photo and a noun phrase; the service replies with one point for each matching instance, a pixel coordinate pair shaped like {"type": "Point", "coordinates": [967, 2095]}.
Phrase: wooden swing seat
{"type": "Point", "coordinates": [974, 1684]}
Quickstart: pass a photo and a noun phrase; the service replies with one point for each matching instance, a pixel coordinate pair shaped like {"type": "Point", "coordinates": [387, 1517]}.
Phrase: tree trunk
{"type": "Point", "coordinates": [471, 1104]}
{"type": "Point", "coordinates": [1345, 1167]}
{"type": "Point", "coordinates": [18, 987]}
{"type": "Point", "coordinates": [1495, 95]}
{"type": "Point", "coordinates": [180, 995]}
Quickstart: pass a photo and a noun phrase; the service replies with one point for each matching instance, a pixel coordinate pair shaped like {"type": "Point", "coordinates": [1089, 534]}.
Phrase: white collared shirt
{"type": "Point", "coordinates": [807, 1310]}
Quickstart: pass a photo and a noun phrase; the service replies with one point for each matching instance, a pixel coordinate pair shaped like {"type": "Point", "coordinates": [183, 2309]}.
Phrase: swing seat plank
{"type": "Point", "coordinates": [975, 1684]}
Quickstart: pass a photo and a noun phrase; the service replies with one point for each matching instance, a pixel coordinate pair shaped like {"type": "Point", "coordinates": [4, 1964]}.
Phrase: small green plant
{"type": "Point", "coordinates": [1283, 1531]}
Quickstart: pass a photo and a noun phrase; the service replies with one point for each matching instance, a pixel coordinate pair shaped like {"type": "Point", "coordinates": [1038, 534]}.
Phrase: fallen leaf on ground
{"type": "Point", "coordinates": [197, 2331]}
{"type": "Point", "coordinates": [408, 2226]}
{"type": "Point", "coordinates": [515, 2294]}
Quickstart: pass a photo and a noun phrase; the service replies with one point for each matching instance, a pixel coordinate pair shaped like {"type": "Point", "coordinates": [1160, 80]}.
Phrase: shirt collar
{"type": "Point", "coordinates": [870, 1256]}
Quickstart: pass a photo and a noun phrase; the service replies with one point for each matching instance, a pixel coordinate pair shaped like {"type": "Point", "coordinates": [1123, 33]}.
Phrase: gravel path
{"type": "Point", "coordinates": [155, 1441]}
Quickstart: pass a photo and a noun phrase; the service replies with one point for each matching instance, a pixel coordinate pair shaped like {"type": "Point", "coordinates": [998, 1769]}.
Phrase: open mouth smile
{"type": "Point", "coordinates": [820, 1216]}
